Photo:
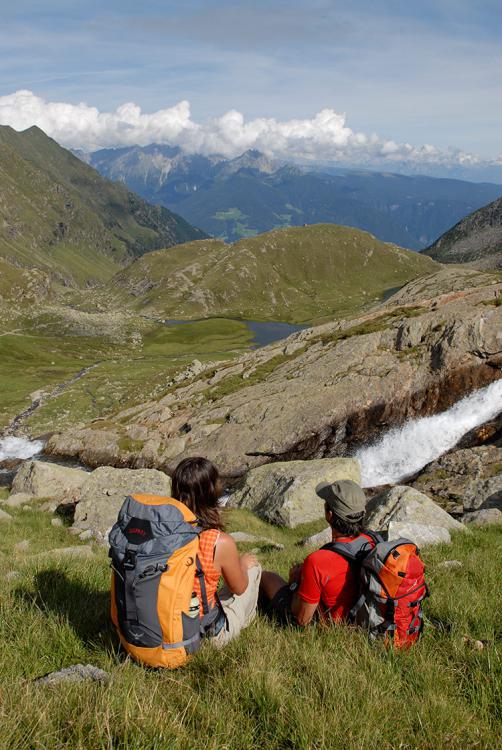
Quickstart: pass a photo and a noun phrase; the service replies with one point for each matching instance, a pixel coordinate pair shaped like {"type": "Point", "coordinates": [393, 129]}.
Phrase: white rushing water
{"type": "Point", "coordinates": [19, 447]}
{"type": "Point", "coordinates": [405, 450]}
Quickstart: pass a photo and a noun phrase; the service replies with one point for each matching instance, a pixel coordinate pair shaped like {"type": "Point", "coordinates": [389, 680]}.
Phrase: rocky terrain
{"type": "Point", "coordinates": [476, 240]}
{"type": "Point", "coordinates": [318, 394]}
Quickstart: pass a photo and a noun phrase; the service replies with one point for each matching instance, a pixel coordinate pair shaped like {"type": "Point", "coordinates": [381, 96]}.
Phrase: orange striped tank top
{"type": "Point", "coordinates": [207, 543]}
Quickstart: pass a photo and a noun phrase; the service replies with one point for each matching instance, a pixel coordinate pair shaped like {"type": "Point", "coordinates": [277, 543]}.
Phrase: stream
{"type": "Point", "coordinates": [399, 453]}
{"type": "Point", "coordinates": [405, 450]}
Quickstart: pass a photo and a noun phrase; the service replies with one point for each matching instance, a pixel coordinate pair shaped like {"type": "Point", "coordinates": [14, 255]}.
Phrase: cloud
{"type": "Point", "coordinates": [324, 137]}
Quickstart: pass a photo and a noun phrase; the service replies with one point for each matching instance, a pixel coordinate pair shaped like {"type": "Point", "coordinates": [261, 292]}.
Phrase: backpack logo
{"type": "Point", "coordinates": [138, 531]}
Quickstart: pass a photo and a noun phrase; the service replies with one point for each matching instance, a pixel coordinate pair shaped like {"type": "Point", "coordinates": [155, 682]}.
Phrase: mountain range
{"type": "Point", "coordinates": [60, 215]}
{"type": "Point", "coordinates": [248, 195]}
{"type": "Point", "coordinates": [476, 240]}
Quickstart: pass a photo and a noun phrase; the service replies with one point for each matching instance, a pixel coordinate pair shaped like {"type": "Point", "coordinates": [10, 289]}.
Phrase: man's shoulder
{"type": "Point", "coordinates": [322, 557]}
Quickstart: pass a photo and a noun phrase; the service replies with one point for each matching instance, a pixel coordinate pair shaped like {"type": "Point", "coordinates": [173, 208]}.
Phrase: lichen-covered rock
{"type": "Point", "coordinates": [106, 488]}
{"type": "Point", "coordinates": [75, 673]}
{"type": "Point", "coordinates": [406, 505]}
{"type": "Point", "coordinates": [284, 493]}
{"type": "Point", "coordinates": [4, 517]}
{"type": "Point", "coordinates": [44, 479]}
{"type": "Point", "coordinates": [16, 500]}
{"type": "Point", "coordinates": [318, 540]}
{"type": "Point", "coordinates": [465, 479]}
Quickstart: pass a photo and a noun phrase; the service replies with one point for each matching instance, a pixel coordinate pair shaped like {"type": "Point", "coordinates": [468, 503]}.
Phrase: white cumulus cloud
{"type": "Point", "coordinates": [326, 136]}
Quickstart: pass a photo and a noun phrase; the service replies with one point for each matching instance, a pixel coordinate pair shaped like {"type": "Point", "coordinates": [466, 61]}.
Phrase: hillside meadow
{"type": "Point", "coordinates": [272, 688]}
{"type": "Point", "coordinates": [100, 374]}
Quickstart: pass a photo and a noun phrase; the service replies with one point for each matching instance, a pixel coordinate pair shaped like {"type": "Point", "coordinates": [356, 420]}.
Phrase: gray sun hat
{"type": "Point", "coordinates": [345, 498]}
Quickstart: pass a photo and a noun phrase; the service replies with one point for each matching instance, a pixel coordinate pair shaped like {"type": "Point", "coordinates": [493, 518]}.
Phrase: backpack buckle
{"type": "Point", "coordinates": [129, 560]}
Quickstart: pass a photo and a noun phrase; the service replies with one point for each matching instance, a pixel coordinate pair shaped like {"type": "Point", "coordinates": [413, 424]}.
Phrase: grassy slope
{"type": "Point", "coordinates": [272, 688]}
{"type": "Point", "coordinates": [126, 372]}
{"type": "Point", "coordinates": [294, 275]}
{"type": "Point", "coordinates": [60, 214]}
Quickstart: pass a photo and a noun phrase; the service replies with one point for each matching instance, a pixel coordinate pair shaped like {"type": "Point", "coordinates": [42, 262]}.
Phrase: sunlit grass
{"type": "Point", "coordinates": [272, 688]}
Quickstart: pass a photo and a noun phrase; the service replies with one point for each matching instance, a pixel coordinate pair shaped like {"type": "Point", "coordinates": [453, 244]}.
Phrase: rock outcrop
{"type": "Point", "coordinates": [315, 395]}
{"type": "Point", "coordinates": [465, 481]}
{"type": "Point", "coordinates": [104, 491]}
{"type": "Point", "coordinates": [43, 479]}
{"type": "Point", "coordinates": [484, 517]}
{"type": "Point", "coordinates": [284, 493]}
{"type": "Point", "coordinates": [403, 511]}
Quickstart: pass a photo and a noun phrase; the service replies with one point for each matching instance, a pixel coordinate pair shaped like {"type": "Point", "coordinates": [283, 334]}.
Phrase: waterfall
{"type": "Point", "coordinates": [404, 450]}
{"type": "Point", "coordinates": [19, 447]}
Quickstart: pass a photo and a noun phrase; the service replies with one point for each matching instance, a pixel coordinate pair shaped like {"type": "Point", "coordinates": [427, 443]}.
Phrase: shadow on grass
{"type": "Point", "coordinates": [85, 608]}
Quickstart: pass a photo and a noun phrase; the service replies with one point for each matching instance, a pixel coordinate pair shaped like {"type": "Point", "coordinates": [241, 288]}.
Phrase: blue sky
{"type": "Point", "coordinates": [410, 71]}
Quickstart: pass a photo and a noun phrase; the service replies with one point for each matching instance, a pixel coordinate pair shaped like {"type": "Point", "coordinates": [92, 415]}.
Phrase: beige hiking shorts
{"type": "Point", "coordinates": [240, 611]}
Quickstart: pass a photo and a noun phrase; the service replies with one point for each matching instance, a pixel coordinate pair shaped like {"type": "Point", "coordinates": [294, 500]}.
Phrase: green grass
{"type": "Point", "coordinates": [40, 358]}
{"type": "Point", "coordinates": [272, 688]}
{"type": "Point", "coordinates": [293, 274]}
{"type": "Point", "coordinates": [60, 215]}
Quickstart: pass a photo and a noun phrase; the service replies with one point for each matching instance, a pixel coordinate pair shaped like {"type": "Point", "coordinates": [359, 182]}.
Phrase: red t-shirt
{"type": "Point", "coordinates": [327, 579]}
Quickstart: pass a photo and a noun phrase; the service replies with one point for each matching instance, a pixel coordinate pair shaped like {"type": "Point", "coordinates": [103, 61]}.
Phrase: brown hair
{"type": "Point", "coordinates": [196, 482]}
{"type": "Point", "coordinates": [345, 527]}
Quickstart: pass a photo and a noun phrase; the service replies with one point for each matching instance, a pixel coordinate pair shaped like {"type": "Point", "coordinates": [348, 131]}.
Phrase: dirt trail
{"type": "Point", "coordinates": [45, 396]}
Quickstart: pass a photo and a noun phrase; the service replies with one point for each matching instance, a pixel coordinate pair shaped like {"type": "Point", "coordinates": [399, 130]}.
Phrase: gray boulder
{"type": "Point", "coordinates": [464, 480]}
{"type": "Point", "coordinates": [104, 491]}
{"type": "Point", "coordinates": [4, 517]}
{"type": "Point", "coordinates": [44, 479]}
{"type": "Point", "coordinates": [406, 505]}
{"type": "Point", "coordinates": [18, 499]}
{"type": "Point", "coordinates": [62, 553]}
{"type": "Point", "coordinates": [420, 533]}
{"type": "Point", "coordinates": [484, 493]}
{"type": "Point", "coordinates": [284, 493]}
{"type": "Point", "coordinates": [318, 540]}
{"type": "Point", "coordinates": [483, 517]}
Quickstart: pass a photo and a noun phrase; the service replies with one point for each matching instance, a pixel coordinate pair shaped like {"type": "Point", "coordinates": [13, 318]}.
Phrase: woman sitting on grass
{"type": "Point", "coordinates": [197, 484]}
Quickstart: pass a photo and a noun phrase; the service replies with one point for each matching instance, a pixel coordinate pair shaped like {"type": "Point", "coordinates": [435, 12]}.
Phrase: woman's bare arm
{"type": "Point", "coordinates": [234, 568]}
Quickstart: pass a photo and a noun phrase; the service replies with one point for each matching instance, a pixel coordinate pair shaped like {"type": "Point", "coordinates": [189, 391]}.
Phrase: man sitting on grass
{"type": "Point", "coordinates": [323, 585]}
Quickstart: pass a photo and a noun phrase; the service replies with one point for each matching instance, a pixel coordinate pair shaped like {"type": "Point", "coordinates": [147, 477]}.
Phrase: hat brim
{"type": "Point", "coordinates": [320, 487]}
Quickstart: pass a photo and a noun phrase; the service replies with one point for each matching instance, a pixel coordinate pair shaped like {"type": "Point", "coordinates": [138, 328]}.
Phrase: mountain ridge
{"type": "Point", "coordinates": [60, 215]}
{"type": "Point", "coordinates": [476, 240]}
{"type": "Point", "coordinates": [252, 194]}
{"type": "Point", "coordinates": [290, 274]}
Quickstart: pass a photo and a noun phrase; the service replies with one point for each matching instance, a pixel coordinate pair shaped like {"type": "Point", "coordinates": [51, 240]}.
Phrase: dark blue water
{"type": "Point", "coordinates": [263, 333]}
{"type": "Point", "coordinates": [390, 292]}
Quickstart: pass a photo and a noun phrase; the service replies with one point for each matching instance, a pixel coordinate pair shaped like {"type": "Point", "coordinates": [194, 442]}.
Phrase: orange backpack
{"type": "Point", "coordinates": [392, 587]}
{"type": "Point", "coordinates": [154, 557]}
